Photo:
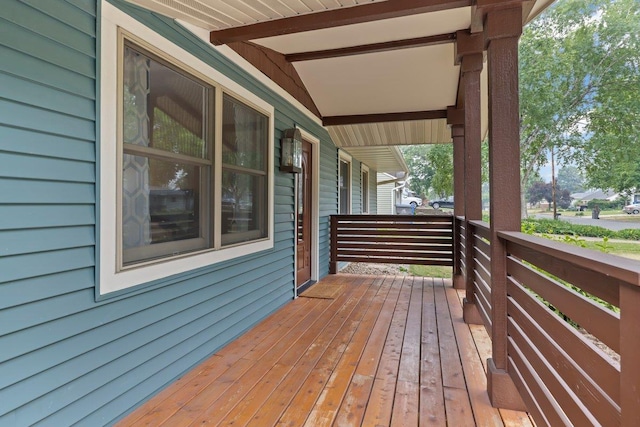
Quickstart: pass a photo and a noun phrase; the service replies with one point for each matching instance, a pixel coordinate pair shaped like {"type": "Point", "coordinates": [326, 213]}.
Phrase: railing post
{"type": "Point", "coordinates": [333, 243]}
{"type": "Point", "coordinates": [502, 30]}
{"type": "Point", "coordinates": [458, 278]}
{"type": "Point", "coordinates": [629, 355]}
{"type": "Point", "coordinates": [455, 118]}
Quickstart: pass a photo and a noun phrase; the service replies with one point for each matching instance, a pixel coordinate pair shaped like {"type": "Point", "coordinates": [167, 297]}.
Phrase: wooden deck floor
{"type": "Point", "coordinates": [388, 351]}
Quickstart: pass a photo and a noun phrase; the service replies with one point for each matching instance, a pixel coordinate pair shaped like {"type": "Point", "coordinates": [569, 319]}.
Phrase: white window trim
{"type": "Point", "coordinates": [344, 156]}
{"type": "Point", "coordinates": [365, 169]}
{"type": "Point", "coordinates": [109, 278]}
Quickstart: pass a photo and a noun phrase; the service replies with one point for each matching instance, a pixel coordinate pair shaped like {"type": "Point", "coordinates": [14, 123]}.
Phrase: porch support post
{"type": "Point", "coordinates": [455, 118]}
{"type": "Point", "coordinates": [469, 53]}
{"type": "Point", "coordinates": [502, 30]}
{"type": "Point", "coordinates": [333, 261]}
{"type": "Point", "coordinates": [629, 353]}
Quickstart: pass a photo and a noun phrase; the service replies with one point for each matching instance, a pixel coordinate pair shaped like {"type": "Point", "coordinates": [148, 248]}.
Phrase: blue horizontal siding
{"type": "Point", "coordinates": [25, 116]}
{"type": "Point", "coordinates": [37, 70]}
{"type": "Point", "coordinates": [16, 217]}
{"type": "Point", "coordinates": [45, 168]}
{"type": "Point", "coordinates": [42, 47]}
{"type": "Point", "coordinates": [43, 24]}
{"type": "Point", "coordinates": [46, 98]}
{"type": "Point", "coordinates": [20, 267]}
{"type": "Point", "coordinates": [38, 192]}
{"type": "Point", "coordinates": [27, 141]}
{"type": "Point", "coordinates": [65, 358]}
{"type": "Point", "coordinates": [18, 242]}
{"type": "Point", "coordinates": [39, 288]}
{"type": "Point", "coordinates": [79, 15]}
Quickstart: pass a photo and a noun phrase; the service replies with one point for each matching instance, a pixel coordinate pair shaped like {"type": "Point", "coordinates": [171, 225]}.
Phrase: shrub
{"type": "Point", "coordinates": [550, 226]}
{"type": "Point", "coordinates": [629, 234]}
{"type": "Point", "coordinates": [606, 204]}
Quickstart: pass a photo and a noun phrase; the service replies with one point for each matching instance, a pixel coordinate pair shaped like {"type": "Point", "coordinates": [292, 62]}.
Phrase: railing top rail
{"type": "Point", "coordinates": [480, 224]}
{"type": "Point", "coordinates": [626, 270]}
{"type": "Point", "coordinates": [425, 218]}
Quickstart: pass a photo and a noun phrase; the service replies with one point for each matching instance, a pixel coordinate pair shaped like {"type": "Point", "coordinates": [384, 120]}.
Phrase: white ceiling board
{"type": "Point", "coordinates": [383, 158]}
{"type": "Point", "coordinates": [373, 135]}
{"type": "Point", "coordinates": [417, 79]}
{"type": "Point", "coordinates": [406, 27]}
{"type": "Point", "coordinates": [219, 14]}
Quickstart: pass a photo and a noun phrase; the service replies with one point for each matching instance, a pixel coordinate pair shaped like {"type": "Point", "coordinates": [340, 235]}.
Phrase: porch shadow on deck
{"type": "Point", "coordinates": [386, 351]}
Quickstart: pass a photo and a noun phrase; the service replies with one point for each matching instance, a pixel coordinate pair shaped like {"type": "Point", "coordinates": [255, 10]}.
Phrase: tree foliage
{"type": "Point", "coordinates": [540, 190]}
{"type": "Point", "coordinates": [570, 178]}
{"type": "Point", "coordinates": [440, 157]}
{"type": "Point", "coordinates": [579, 87]}
{"type": "Point", "coordinates": [420, 171]}
{"type": "Point", "coordinates": [431, 168]}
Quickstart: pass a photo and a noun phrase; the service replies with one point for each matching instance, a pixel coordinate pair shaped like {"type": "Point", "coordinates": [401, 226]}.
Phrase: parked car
{"type": "Point", "coordinates": [443, 203]}
{"type": "Point", "coordinates": [633, 208]}
{"type": "Point", "coordinates": [410, 198]}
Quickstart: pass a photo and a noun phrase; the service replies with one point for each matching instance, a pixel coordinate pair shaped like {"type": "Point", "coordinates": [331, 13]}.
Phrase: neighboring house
{"type": "Point", "coordinates": [386, 193]}
{"type": "Point", "coordinates": [144, 221]}
{"type": "Point", "coordinates": [580, 199]}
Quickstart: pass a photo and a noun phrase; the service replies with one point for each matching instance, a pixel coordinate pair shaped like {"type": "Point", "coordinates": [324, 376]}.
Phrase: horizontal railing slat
{"type": "Point", "coordinates": [586, 355]}
{"type": "Point", "coordinates": [584, 388]}
{"type": "Point", "coordinates": [392, 232]}
{"type": "Point", "coordinates": [424, 240]}
{"type": "Point", "coordinates": [593, 317]}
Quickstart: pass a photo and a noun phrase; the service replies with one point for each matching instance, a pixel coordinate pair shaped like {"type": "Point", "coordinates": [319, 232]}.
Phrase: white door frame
{"type": "Point", "coordinates": [315, 208]}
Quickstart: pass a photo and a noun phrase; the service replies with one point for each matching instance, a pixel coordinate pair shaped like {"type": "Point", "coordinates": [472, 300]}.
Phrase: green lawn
{"type": "Point", "coordinates": [431, 271]}
{"type": "Point", "coordinates": [623, 249]}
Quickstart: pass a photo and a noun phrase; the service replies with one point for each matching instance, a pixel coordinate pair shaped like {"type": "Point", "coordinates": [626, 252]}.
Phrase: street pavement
{"type": "Point", "coordinates": [611, 223]}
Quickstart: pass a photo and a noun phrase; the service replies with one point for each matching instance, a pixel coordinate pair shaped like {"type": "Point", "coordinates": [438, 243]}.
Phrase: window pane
{"type": "Point", "coordinates": [345, 182]}
{"type": "Point", "coordinates": [365, 192]}
{"type": "Point", "coordinates": [163, 109]}
{"type": "Point", "coordinates": [160, 203]}
{"type": "Point", "coordinates": [244, 210]}
{"type": "Point", "coordinates": [244, 136]}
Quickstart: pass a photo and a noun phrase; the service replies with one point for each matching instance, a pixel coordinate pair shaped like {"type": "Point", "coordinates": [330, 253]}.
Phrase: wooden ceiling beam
{"type": "Point", "coordinates": [333, 18]}
{"type": "Point", "coordinates": [372, 48]}
{"type": "Point", "coordinates": [383, 117]}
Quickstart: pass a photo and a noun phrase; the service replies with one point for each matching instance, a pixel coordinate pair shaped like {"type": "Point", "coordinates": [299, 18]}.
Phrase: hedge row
{"type": "Point", "coordinates": [549, 226]}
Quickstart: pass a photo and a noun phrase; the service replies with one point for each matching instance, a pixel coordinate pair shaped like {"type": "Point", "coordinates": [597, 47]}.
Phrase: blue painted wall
{"type": "Point", "coordinates": [65, 358]}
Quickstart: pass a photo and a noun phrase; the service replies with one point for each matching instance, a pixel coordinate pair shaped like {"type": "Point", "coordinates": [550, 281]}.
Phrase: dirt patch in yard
{"type": "Point", "coordinates": [376, 269]}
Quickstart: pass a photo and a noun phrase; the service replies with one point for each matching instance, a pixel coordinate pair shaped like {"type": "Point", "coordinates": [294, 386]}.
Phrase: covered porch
{"type": "Point", "coordinates": [368, 351]}
{"type": "Point", "coordinates": [436, 72]}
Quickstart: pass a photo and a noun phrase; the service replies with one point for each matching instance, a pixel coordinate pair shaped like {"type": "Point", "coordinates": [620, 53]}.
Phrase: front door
{"type": "Point", "coordinates": [303, 218]}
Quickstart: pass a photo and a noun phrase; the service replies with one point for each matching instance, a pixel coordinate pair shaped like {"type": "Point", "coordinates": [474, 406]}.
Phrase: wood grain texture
{"type": "Point", "coordinates": [390, 351]}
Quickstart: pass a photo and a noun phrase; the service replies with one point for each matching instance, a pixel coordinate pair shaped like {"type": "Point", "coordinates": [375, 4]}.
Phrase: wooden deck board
{"type": "Point", "coordinates": [387, 351]}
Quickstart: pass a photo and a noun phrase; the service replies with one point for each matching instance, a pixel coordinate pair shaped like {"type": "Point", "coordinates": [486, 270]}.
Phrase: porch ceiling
{"type": "Point", "coordinates": [378, 72]}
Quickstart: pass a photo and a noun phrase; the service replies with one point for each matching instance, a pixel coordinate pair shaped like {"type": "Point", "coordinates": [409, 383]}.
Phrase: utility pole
{"type": "Point", "coordinates": [553, 185]}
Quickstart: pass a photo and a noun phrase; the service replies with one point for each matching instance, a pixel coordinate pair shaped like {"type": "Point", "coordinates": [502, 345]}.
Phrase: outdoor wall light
{"type": "Point", "coordinates": [291, 151]}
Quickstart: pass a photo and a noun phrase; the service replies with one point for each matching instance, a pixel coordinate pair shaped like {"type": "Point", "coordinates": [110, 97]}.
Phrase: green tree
{"type": "Point", "coordinates": [420, 170]}
{"type": "Point", "coordinates": [579, 86]}
{"type": "Point", "coordinates": [440, 158]}
{"type": "Point", "coordinates": [570, 178]}
{"type": "Point", "coordinates": [539, 191]}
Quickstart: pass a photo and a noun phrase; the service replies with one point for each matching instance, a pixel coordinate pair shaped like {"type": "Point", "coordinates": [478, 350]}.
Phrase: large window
{"type": "Point", "coordinates": [244, 172]}
{"type": "Point", "coordinates": [167, 159]}
{"type": "Point", "coordinates": [344, 184]}
{"type": "Point", "coordinates": [168, 121]}
{"type": "Point", "coordinates": [365, 189]}
{"type": "Point", "coordinates": [185, 160]}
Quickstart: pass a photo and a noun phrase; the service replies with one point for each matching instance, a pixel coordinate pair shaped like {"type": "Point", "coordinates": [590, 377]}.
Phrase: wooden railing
{"type": "Point", "coordinates": [572, 316]}
{"type": "Point", "coordinates": [564, 376]}
{"type": "Point", "coordinates": [400, 239]}
{"type": "Point", "coordinates": [482, 270]}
